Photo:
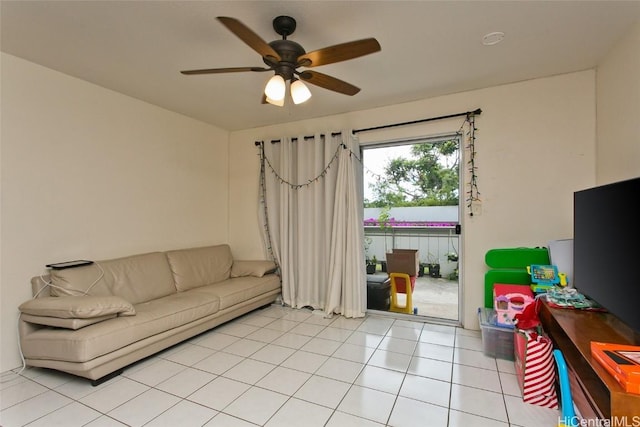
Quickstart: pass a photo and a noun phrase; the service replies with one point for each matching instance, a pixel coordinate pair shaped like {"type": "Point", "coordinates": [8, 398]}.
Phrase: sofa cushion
{"type": "Point", "coordinates": [202, 266]}
{"type": "Point", "coordinates": [136, 278]}
{"type": "Point", "coordinates": [241, 289]}
{"type": "Point", "coordinates": [252, 268]}
{"type": "Point", "coordinates": [86, 307]}
{"type": "Point", "coordinates": [152, 317]}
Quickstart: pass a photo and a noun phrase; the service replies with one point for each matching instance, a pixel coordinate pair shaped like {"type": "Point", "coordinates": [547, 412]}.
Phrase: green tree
{"type": "Point", "coordinates": [429, 178]}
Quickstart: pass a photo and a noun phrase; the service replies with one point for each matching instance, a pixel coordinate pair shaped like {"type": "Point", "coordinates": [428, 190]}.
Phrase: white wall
{"type": "Point", "coordinates": [618, 107]}
{"type": "Point", "coordinates": [535, 147]}
{"type": "Point", "coordinates": [89, 173]}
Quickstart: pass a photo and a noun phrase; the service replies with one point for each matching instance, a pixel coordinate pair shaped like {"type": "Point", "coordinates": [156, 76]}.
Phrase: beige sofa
{"type": "Point", "coordinates": [94, 320]}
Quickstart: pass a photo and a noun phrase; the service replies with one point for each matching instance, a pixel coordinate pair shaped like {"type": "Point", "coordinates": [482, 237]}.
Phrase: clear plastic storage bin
{"type": "Point", "coordinates": [497, 341]}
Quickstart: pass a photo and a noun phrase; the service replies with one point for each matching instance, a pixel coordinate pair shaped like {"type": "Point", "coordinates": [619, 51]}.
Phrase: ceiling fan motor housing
{"type": "Point", "coordinates": [289, 52]}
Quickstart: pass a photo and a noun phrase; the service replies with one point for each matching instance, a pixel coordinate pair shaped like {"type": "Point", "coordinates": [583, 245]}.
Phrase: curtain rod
{"type": "Point", "coordinates": [475, 112]}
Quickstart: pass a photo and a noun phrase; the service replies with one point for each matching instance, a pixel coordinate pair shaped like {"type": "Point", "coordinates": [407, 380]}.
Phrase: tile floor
{"type": "Point", "coordinates": [284, 367]}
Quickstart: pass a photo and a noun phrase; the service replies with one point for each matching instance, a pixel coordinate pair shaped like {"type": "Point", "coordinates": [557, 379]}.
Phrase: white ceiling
{"type": "Point", "coordinates": [429, 48]}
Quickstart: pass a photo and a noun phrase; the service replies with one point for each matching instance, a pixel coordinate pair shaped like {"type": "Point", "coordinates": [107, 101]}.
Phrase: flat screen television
{"type": "Point", "coordinates": [606, 248]}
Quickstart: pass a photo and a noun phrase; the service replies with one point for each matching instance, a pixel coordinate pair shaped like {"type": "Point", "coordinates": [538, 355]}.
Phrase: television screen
{"type": "Point", "coordinates": [606, 248]}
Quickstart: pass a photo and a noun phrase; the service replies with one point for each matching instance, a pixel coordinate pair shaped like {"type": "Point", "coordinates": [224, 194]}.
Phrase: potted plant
{"type": "Point", "coordinates": [372, 264]}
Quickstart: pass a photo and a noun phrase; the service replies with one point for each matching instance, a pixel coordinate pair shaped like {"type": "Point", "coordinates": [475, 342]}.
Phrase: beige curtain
{"type": "Point", "coordinates": [313, 205]}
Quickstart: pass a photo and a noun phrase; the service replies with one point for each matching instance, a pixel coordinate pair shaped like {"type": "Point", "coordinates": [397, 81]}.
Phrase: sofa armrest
{"type": "Point", "coordinates": [257, 268]}
{"type": "Point", "coordinates": [57, 322]}
{"type": "Point", "coordinates": [81, 307]}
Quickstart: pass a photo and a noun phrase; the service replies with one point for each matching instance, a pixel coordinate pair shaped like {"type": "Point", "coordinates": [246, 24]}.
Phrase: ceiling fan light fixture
{"type": "Point", "coordinates": [279, 102]}
{"type": "Point", "coordinates": [275, 88]}
{"type": "Point", "coordinates": [299, 92]}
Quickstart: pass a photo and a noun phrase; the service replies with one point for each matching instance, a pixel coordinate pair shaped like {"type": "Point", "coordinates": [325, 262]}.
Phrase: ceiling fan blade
{"type": "Point", "coordinates": [339, 52]}
{"type": "Point", "coordinates": [247, 35]}
{"type": "Point", "coordinates": [328, 82]}
{"type": "Point", "coordinates": [224, 70]}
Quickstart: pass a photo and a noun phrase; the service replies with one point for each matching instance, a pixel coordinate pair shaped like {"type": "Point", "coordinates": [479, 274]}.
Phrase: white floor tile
{"type": "Point", "coordinates": [510, 384]}
{"type": "Point", "coordinates": [323, 391]}
{"type": "Point", "coordinates": [9, 379]}
{"type": "Point", "coordinates": [476, 377]}
{"type": "Point", "coordinates": [376, 325]}
{"type": "Point", "coordinates": [189, 354]}
{"type": "Point", "coordinates": [367, 403]}
{"type": "Point", "coordinates": [256, 319]}
{"type": "Point", "coordinates": [105, 421]}
{"type": "Point", "coordinates": [321, 346]}
{"type": "Point", "coordinates": [155, 373]}
{"type": "Point", "coordinates": [440, 328]}
{"type": "Point", "coordinates": [249, 371]}
{"type": "Point", "coordinates": [219, 362]}
{"type": "Point", "coordinates": [255, 370]}
{"type": "Point", "coordinates": [474, 358]}
{"type": "Point", "coordinates": [114, 394]}
{"type": "Point", "coordinates": [216, 341]}
{"type": "Point", "coordinates": [290, 340]}
{"type": "Point", "coordinates": [284, 380]}
{"type": "Point", "coordinates": [256, 405]}
{"type": "Point", "coordinates": [307, 329]}
{"type": "Point", "coordinates": [437, 337]}
{"type": "Point", "coordinates": [33, 408]}
{"type": "Point", "coordinates": [397, 345]}
{"type": "Point", "coordinates": [219, 393]}
{"type": "Point", "coordinates": [78, 388]}
{"type": "Point", "coordinates": [434, 351]}
{"type": "Point", "coordinates": [74, 414]}
{"type": "Point", "coordinates": [341, 419]}
{"type": "Point", "coordinates": [186, 382]}
{"type": "Point", "coordinates": [183, 414]}
{"type": "Point", "coordinates": [463, 419]}
{"type": "Point", "coordinates": [265, 335]}
{"type": "Point", "coordinates": [143, 408]}
{"type": "Point", "coordinates": [20, 392]}
{"type": "Point", "coordinates": [409, 412]}
{"type": "Point", "coordinates": [386, 380]}
{"type": "Point", "coordinates": [224, 420]}
{"type": "Point", "coordinates": [527, 415]}
{"type": "Point", "coordinates": [244, 347]}
{"type": "Point", "coordinates": [274, 354]}
{"type": "Point", "coordinates": [366, 339]}
{"type": "Point", "coordinates": [49, 378]}
{"type": "Point", "coordinates": [282, 325]}
{"type": "Point", "coordinates": [305, 361]}
{"type": "Point", "coordinates": [346, 323]}
{"type": "Point", "coordinates": [318, 318]}
{"type": "Point", "coordinates": [409, 324]}
{"type": "Point", "coordinates": [404, 332]}
{"type": "Point", "coordinates": [236, 329]}
{"type": "Point", "coordinates": [341, 370]}
{"type": "Point", "coordinates": [468, 342]}
{"type": "Point", "coordinates": [299, 315]}
{"type": "Point", "coordinates": [335, 334]}
{"type": "Point", "coordinates": [294, 410]}
{"type": "Point", "coordinates": [507, 366]}
{"type": "Point", "coordinates": [478, 402]}
{"type": "Point", "coordinates": [431, 368]}
{"type": "Point", "coordinates": [426, 390]}
{"type": "Point", "coordinates": [354, 353]}
{"type": "Point", "coordinates": [390, 360]}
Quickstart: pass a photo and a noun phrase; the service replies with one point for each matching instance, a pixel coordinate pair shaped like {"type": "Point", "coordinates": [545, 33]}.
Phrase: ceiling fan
{"type": "Point", "coordinates": [284, 57]}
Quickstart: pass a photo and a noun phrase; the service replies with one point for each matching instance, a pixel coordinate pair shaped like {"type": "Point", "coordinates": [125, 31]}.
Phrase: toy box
{"type": "Point", "coordinates": [510, 300]}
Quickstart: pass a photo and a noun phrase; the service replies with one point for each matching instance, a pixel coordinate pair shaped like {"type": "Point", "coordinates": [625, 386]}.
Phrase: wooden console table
{"type": "Point", "coordinates": [595, 392]}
